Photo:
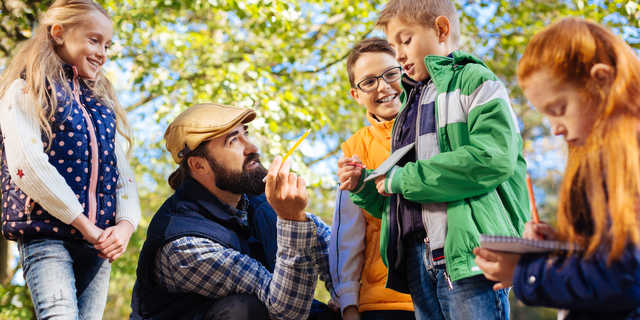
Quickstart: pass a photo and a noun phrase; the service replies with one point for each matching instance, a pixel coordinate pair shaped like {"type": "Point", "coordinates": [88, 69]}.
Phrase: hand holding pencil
{"type": "Point", "coordinates": [535, 229]}
{"type": "Point", "coordinates": [295, 145]}
{"type": "Point", "coordinates": [349, 172]}
{"type": "Point", "coordinates": [532, 201]}
{"type": "Point", "coordinates": [285, 191]}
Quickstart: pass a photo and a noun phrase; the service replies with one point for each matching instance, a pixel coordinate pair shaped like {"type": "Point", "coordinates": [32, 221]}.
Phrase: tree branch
{"type": "Point", "coordinates": [152, 96]}
{"type": "Point", "coordinates": [5, 31]}
{"type": "Point", "coordinates": [4, 7]}
{"type": "Point", "coordinates": [141, 102]}
{"type": "Point", "coordinates": [331, 153]}
{"type": "Point", "coordinates": [316, 29]}
{"type": "Point", "coordinates": [326, 66]}
{"type": "Point", "coordinates": [19, 37]}
{"type": "Point", "coordinates": [4, 50]}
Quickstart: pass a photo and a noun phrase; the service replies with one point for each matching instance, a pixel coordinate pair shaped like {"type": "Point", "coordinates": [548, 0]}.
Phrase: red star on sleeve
{"type": "Point", "coordinates": [20, 173]}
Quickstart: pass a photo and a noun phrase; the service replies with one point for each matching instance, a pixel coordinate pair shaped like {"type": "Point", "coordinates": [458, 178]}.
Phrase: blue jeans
{"type": "Point", "coordinates": [66, 278]}
{"type": "Point", "coordinates": [470, 298]}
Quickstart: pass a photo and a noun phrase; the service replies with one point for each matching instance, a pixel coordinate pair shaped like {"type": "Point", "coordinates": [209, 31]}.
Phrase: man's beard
{"type": "Point", "coordinates": [248, 181]}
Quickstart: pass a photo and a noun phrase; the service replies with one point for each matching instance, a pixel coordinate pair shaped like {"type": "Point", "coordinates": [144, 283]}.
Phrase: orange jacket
{"type": "Point", "coordinates": [372, 145]}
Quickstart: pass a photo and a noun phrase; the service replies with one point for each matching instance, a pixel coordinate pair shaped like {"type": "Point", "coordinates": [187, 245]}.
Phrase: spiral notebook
{"type": "Point", "coordinates": [521, 245]}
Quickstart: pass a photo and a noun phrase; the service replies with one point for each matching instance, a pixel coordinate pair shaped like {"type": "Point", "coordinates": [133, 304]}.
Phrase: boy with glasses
{"type": "Point", "coordinates": [357, 271]}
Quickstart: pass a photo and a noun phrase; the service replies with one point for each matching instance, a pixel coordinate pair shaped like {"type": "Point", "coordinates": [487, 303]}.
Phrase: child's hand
{"type": "Point", "coordinates": [92, 234]}
{"type": "Point", "coordinates": [380, 186]}
{"type": "Point", "coordinates": [89, 231]}
{"type": "Point", "coordinates": [114, 240]}
{"type": "Point", "coordinates": [497, 266]}
{"type": "Point", "coordinates": [351, 313]}
{"type": "Point", "coordinates": [333, 305]}
{"type": "Point", "coordinates": [538, 231]}
{"type": "Point", "coordinates": [349, 172]}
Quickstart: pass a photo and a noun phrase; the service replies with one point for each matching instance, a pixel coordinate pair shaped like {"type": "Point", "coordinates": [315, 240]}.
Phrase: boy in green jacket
{"type": "Point", "coordinates": [459, 170]}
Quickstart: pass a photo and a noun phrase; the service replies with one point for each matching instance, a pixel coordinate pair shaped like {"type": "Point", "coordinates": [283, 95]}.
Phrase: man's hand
{"type": "Point", "coordinates": [286, 192]}
{"type": "Point", "coordinates": [380, 186]}
{"type": "Point", "coordinates": [497, 266]}
{"type": "Point", "coordinates": [114, 240]}
{"type": "Point", "coordinates": [349, 172]}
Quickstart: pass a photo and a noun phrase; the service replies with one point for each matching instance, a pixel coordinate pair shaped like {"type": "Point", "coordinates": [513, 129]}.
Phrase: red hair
{"type": "Point", "coordinates": [601, 186]}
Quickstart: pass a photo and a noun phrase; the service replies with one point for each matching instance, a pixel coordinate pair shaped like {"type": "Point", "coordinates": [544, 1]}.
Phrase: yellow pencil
{"type": "Point", "coordinates": [292, 149]}
{"type": "Point", "coordinates": [295, 145]}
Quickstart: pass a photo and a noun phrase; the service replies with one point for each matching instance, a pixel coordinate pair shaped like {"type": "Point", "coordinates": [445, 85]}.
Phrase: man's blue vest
{"type": "Point", "coordinates": [193, 211]}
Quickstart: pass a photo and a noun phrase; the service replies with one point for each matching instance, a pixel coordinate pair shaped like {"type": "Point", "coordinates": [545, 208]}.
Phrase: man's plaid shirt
{"type": "Point", "coordinates": [199, 265]}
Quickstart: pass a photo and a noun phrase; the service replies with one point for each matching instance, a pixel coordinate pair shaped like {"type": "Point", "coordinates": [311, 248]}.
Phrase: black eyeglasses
{"type": "Point", "coordinates": [370, 84]}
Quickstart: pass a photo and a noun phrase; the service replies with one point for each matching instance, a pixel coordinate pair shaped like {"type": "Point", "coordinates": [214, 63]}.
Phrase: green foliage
{"type": "Point", "coordinates": [286, 60]}
{"type": "Point", "coordinates": [15, 303]}
{"type": "Point", "coordinates": [521, 312]}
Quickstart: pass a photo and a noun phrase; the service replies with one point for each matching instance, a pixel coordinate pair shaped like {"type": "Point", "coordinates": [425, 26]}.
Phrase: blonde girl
{"type": "Point", "coordinates": [68, 194]}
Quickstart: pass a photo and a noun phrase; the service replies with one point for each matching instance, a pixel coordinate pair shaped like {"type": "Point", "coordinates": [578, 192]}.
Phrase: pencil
{"type": "Point", "coordinates": [534, 210]}
{"type": "Point", "coordinates": [355, 164]}
{"type": "Point", "coordinates": [306, 133]}
{"type": "Point", "coordinates": [292, 149]}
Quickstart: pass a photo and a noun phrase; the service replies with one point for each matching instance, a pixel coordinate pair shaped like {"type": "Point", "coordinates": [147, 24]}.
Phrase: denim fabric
{"type": "Point", "coordinates": [66, 278]}
{"type": "Point", "coordinates": [387, 315]}
{"type": "Point", "coordinates": [470, 298]}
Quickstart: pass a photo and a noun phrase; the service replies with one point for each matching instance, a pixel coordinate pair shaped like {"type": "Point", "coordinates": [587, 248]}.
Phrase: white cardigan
{"type": "Point", "coordinates": [40, 180]}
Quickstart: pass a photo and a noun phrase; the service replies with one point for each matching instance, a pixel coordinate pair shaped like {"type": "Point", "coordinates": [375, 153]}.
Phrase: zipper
{"type": "Point", "coordinates": [449, 283]}
{"type": "Point", "coordinates": [394, 143]}
{"type": "Point", "coordinates": [93, 143]}
{"type": "Point", "coordinates": [337, 237]}
{"type": "Point", "coordinates": [27, 209]}
{"type": "Point", "coordinates": [425, 218]}
{"type": "Point", "coordinates": [428, 256]}
{"type": "Point", "coordinates": [428, 259]}
{"type": "Point", "coordinates": [399, 226]}
{"type": "Point", "coordinates": [394, 136]}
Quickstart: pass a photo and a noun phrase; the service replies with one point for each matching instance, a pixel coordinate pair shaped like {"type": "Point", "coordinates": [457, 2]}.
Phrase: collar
{"type": "Point", "coordinates": [212, 207]}
{"type": "Point", "coordinates": [71, 73]}
{"type": "Point", "coordinates": [441, 69]}
{"type": "Point", "coordinates": [376, 123]}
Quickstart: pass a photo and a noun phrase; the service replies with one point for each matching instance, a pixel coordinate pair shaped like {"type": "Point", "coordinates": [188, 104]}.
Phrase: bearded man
{"type": "Point", "coordinates": [234, 240]}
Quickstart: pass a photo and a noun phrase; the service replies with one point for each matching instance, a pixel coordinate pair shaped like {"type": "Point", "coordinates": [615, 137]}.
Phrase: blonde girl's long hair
{"type": "Point", "coordinates": [38, 63]}
{"type": "Point", "coordinates": [600, 190]}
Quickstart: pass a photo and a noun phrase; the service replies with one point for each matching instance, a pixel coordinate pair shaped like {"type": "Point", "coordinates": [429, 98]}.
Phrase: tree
{"type": "Point", "coordinates": [286, 59]}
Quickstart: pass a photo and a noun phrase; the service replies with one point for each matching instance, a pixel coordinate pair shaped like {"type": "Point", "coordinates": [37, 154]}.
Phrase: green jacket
{"type": "Point", "coordinates": [480, 173]}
